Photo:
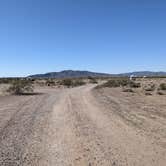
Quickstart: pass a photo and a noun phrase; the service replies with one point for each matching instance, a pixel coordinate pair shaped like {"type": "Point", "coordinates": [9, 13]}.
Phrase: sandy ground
{"type": "Point", "coordinates": [3, 89]}
{"type": "Point", "coordinates": [82, 127]}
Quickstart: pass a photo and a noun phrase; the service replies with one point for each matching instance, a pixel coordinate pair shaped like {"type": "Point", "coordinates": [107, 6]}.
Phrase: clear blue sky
{"type": "Point", "coordinates": [38, 36]}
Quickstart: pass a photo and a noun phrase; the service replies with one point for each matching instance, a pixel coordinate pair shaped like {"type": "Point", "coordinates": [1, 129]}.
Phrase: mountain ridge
{"type": "Point", "coordinates": [80, 73]}
{"type": "Point", "coordinates": [70, 73]}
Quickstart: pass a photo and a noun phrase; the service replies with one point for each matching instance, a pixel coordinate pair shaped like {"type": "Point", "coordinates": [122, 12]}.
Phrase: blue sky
{"type": "Point", "coordinates": [38, 36]}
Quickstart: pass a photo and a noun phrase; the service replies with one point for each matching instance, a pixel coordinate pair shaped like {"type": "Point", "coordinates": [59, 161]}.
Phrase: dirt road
{"type": "Point", "coordinates": [69, 127]}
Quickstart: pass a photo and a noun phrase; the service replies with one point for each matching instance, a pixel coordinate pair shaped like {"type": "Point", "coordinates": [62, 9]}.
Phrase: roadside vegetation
{"type": "Point", "coordinates": [50, 82]}
{"type": "Point", "coordinates": [72, 82]}
{"type": "Point", "coordinates": [162, 89]}
{"type": "Point", "coordinates": [120, 82]}
{"type": "Point", "coordinates": [20, 87]}
{"type": "Point", "coordinates": [148, 87]}
{"type": "Point", "coordinates": [162, 86]}
{"type": "Point", "coordinates": [92, 80]}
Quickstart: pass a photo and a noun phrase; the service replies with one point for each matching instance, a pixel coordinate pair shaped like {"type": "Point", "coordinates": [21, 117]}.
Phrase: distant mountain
{"type": "Point", "coordinates": [70, 74]}
{"type": "Point", "coordinates": [77, 73]}
{"type": "Point", "coordinates": [143, 73]}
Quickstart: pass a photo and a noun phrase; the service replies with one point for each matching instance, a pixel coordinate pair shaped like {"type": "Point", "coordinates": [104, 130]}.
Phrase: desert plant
{"type": "Point", "coordinates": [113, 83]}
{"type": "Point", "coordinates": [110, 84]}
{"type": "Point", "coordinates": [92, 80]}
{"type": "Point", "coordinates": [120, 82]}
{"type": "Point", "coordinates": [162, 86]}
{"type": "Point", "coordinates": [4, 81]}
{"type": "Point", "coordinates": [78, 83]}
{"type": "Point", "coordinates": [133, 84]}
{"type": "Point", "coordinates": [149, 87]}
{"type": "Point", "coordinates": [72, 83]}
{"type": "Point", "coordinates": [50, 82]}
{"type": "Point", "coordinates": [19, 87]}
{"type": "Point", "coordinates": [8, 80]}
{"type": "Point", "coordinates": [66, 82]}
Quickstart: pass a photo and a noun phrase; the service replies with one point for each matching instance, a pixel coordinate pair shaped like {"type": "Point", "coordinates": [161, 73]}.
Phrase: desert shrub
{"type": "Point", "coordinates": [120, 83]}
{"type": "Point", "coordinates": [40, 82]}
{"type": "Point", "coordinates": [4, 81]}
{"type": "Point", "coordinates": [32, 79]}
{"type": "Point", "coordinates": [7, 80]}
{"type": "Point", "coordinates": [72, 83]}
{"type": "Point", "coordinates": [123, 82]}
{"type": "Point", "coordinates": [162, 89]}
{"type": "Point", "coordinates": [113, 83]}
{"type": "Point", "coordinates": [162, 86]}
{"type": "Point", "coordinates": [133, 84]}
{"type": "Point", "coordinates": [19, 87]}
{"type": "Point", "coordinates": [78, 83]}
{"type": "Point", "coordinates": [92, 80]}
{"type": "Point", "coordinates": [90, 77]}
{"type": "Point", "coordinates": [66, 82]}
{"type": "Point", "coordinates": [110, 84]}
{"type": "Point", "coordinates": [50, 82]}
{"type": "Point", "coordinates": [149, 87]}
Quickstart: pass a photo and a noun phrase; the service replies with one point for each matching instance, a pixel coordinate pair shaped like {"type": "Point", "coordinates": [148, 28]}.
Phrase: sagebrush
{"type": "Point", "coordinates": [19, 87]}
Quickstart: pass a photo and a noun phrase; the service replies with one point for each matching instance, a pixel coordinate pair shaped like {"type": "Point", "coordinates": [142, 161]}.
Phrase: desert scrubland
{"type": "Point", "coordinates": [87, 122]}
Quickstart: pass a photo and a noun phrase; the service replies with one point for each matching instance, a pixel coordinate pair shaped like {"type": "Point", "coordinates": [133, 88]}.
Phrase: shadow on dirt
{"type": "Point", "coordinates": [30, 94]}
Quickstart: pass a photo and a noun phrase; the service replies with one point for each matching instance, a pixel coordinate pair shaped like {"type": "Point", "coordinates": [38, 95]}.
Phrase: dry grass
{"type": "Point", "coordinates": [72, 82]}
{"type": "Point", "coordinates": [19, 87]}
{"type": "Point", "coordinates": [119, 82]}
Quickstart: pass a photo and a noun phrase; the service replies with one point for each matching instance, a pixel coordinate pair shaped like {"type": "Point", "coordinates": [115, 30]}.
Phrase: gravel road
{"type": "Point", "coordinates": [70, 127]}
